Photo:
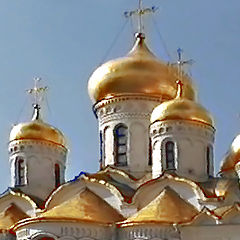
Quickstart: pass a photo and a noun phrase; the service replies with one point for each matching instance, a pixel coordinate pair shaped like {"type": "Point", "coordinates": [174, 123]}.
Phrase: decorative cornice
{"type": "Point", "coordinates": [120, 98]}
{"type": "Point", "coordinates": [127, 115]}
{"type": "Point", "coordinates": [37, 142]}
{"type": "Point", "coordinates": [183, 122]}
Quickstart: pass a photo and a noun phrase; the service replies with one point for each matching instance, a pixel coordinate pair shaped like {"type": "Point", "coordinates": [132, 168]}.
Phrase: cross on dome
{"type": "Point", "coordinates": [181, 63]}
{"type": "Point", "coordinates": [37, 93]}
{"type": "Point", "coordinates": [140, 12]}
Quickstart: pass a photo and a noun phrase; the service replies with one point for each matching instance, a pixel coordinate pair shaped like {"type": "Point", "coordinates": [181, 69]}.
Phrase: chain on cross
{"type": "Point", "coordinates": [140, 12]}
{"type": "Point", "coordinates": [37, 92]}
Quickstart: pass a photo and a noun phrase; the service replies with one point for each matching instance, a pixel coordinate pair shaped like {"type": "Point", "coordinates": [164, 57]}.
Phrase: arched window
{"type": "Point", "coordinates": [209, 157]}
{"type": "Point", "coordinates": [101, 147]}
{"type": "Point", "coordinates": [150, 153]}
{"type": "Point", "coordinates": [120, 142]}
{"type": "Point", "coordinates": [170, 155]}
{"type": "Point", "coordinates": [57, 175]}
{"type": "Point", "coordinates": [20, 171]}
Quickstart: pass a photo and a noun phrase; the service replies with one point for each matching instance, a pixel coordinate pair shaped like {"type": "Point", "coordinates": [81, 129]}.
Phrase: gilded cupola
{"type": "Point", "coordinates": [182, 109]}
{"type": "Point", "coordinates": [138, 73]}
{"type": "Point", "coordinates": [37, 129]}
{"type": "Point", "coordinates": [37, 151]}
{"type": "Point", "coordinates": [232, 157]}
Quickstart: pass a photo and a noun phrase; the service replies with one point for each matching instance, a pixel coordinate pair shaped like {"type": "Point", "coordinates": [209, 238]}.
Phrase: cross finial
{"type": "Point", "coordinates": [181, 63]}
{"type": "Point", "coordinates": [140, 12]}
{"type": "Point", "coordinates": [37, 93]}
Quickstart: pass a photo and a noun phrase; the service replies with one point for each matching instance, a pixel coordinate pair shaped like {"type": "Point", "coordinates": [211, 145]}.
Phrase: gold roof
{"type": "Point", "coordinates": [182, 109]}
{"type": "Point", "coordinates": [168, 207]}
{"type": "Point", "coordinates": [139, 73]}
{"type": "Point", "coordinates": [37, 129]}
{"type": "Point", "coordinates": [232, 157]}
{"type": "Point", "coordinates": [205, 217]}
{"type": "Point", "coordinates": [220, 211]}
{"type": "Point", "coordinates": [10, 216]}
{"type": "Point", "coordinates": [84, 207]}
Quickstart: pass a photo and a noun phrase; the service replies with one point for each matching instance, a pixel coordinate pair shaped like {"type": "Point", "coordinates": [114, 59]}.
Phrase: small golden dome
{"type": "Point", "coordinates": [141, 73]}
{"type": "Point", "coordinates": [38, 130]}
{"type": "Point", "coordinates": [232, 157]}
{"type": "Point", "coordinates": [181, 109]}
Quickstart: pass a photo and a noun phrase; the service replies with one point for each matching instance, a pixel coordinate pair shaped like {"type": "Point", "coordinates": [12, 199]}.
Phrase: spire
{"type": "Point", "coordinates": [37, 94]}
{"type": "Point", "coordinates": [140, 12]}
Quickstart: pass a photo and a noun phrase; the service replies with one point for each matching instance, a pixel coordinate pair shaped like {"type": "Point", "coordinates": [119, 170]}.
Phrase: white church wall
{"type": "Point", "coordinates": [39, 162]}
{"type": "Point", "coordinates": [7, 236]}
{"type": "Point", "coordinates": [134, 113]}
{"type": "Point", "coordinates": [138, 147]}
{"type": "Point", "coordinates": [218, 232]}
{"type": "Point", "coordinates": [147, 231]}
{"type": "Point", "coordinates": [191, 141]}
{"type": "Point", "coordinates": [64, 231]}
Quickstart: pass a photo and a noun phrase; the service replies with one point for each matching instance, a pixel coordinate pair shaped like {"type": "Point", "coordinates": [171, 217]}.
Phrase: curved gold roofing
{"type": "Point", "coordinates": [196, 188]}
{"type": "Point", "coordinates": [141, 73]}
{"type": "Point", "coordinates": [10, 216]}
{"type": "Point", "coordinates": [232, 157]}
{"type": "Point", "coordinates": [83, 207]}
{"type": "Point", "coordinates": [182, 109]}
{"type": "Point", "coordinates": [205, 217]}
{"type": "Point", "coordinates": [37, 129]}
{"type": "Point", "coordinates": [168, 208]}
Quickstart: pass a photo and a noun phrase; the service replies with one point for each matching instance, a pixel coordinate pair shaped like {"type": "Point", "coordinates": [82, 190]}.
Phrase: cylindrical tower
{"type": "Point", "coordinates": [182, 135]}
{"type": "Point", "coordinates": [37, 156]}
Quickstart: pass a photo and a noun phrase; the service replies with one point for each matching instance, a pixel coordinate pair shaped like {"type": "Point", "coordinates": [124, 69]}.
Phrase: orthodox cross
{"type": "Point", "coordinates": [181, 63]}
{"type": "Point", "coordinates": [37, 92]}
{"type": "Point", "coordinates": [140, 12]}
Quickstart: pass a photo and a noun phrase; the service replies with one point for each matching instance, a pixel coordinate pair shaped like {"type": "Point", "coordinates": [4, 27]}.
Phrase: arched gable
{"type": "Point", "coordinates": [187, 189]}
{"type": "Point", "coordinates": [101, 188]}
{"type": "Point", "coordinates": [22, 201]}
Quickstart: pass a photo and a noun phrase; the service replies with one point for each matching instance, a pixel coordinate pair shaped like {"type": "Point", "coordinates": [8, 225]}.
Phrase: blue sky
{"type": "Point", "coordinates": [63, 41]}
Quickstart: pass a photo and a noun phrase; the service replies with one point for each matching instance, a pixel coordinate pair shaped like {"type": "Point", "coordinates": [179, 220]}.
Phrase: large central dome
{"type": "Point", "coordinates": [139, 73]}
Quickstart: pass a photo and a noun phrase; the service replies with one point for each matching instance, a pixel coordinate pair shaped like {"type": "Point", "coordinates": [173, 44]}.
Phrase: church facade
{"type": "Point", "coordinates": [156, 178]}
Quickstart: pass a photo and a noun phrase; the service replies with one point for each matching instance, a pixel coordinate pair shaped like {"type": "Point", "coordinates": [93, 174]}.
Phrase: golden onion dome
{"type": "Point", "coordinates": [37, 129]}
{"type": "Point", "coordinates": [232, 157]}
{"type": "Point", "coordinates": [139, 73]}
{"type": "Point", "coordinates": [181, 109]}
